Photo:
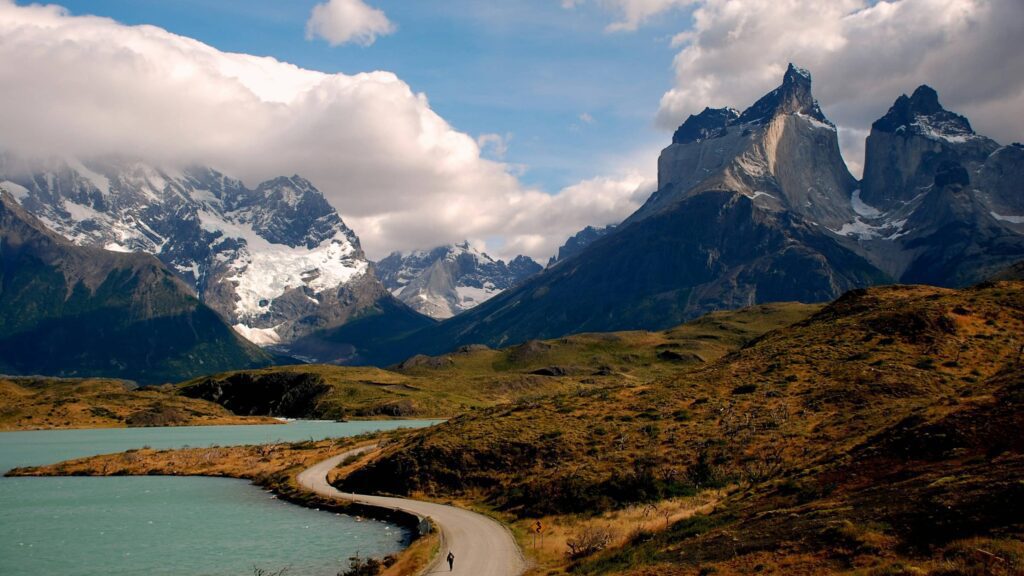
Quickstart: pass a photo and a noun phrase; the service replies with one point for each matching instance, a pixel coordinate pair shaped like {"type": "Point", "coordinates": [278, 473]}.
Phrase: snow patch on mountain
{"type": "Point", "coordinates": [861, 208]}
{"type": "Point", "coordinates": [240, 248]}
{"type": "Point", "coordinates": [815, 122]}
{"type": "Point", "coordinates": [17, 190]}
{"type": "Point", "coordinates": [447, 280]}
{"type": "Point", "coordinates": [258, 336]}
{"type": "Point", "coordinates": [1008, 218]}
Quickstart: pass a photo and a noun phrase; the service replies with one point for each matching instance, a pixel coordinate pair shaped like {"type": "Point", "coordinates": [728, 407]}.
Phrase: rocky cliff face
{"type": "Point", "coordinates": [577, 242]}
{"type": "Point", "coordinates": [782, 153]}
{"type": "Point", "coordinates": [68, 310]}
{"type": "Point", "coordinates": [758, 206]}
{"type": "Point", "coordinates": [447, 280]}
{"type": "Point", "coordinates": [277, 260]}
{"type": "Point", "coordinates": [939, 203]}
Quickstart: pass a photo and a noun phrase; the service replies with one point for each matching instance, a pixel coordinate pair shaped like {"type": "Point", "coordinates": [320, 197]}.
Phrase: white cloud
{"type": "Point", "coordinates": [863, 54]}
{"type": "Point", "coordinates": [586, 118]}
{"type": "Point", "coordinates": [348, 21]}
{"type": "Point", "coordinates": [496, 144]}
{"type": "Point", "coordinates": [400, 175]}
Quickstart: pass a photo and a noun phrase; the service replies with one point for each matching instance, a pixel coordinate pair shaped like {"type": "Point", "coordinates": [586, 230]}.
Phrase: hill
{"type": "Point", "coordinates": [882, 430]}
{"type": "Point", "coordinates": [476, 376]}
{"type": "Point", "coordinates": [48, 403]}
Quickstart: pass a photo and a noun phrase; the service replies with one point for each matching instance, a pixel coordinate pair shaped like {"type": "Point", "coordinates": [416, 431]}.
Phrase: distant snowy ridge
{"type": "Point", "coordinates": [450, 279]}
{"type": "Point", "coordinates": [267, 258]}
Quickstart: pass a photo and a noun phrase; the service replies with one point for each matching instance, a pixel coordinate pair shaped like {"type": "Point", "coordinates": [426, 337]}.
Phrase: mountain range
{"type": "Point", "coordinates": [759, 206]}
{"type": "Point", "coordinates": [752, 206]}
{"type": "Point", "coordinates": [450, 279]}
{"type": "Point", "coordinates": [276, 261]}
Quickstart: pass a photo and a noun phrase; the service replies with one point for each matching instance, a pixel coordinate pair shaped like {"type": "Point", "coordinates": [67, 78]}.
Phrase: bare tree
{"type": "Point", "coordinates": [589, 540]}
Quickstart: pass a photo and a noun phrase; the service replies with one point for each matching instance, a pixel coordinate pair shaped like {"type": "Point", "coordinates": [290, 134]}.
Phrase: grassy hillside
{"type": "Point", "coordinates": [477, 377]}
{"type": "Point", "coordinates": [884, 429]}
{"type": "Point", "coordinates": [46, 403]}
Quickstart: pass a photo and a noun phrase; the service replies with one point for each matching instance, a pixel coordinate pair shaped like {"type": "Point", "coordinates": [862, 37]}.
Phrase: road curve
{"type": "Point", "coordinates": [482, 546]}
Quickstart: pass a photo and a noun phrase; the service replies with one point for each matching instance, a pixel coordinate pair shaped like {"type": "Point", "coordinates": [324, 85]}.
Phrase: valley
{"type": "Point", "coordinates": [874, 433]}
{"type": "Point", "coordinates": [773, 355]}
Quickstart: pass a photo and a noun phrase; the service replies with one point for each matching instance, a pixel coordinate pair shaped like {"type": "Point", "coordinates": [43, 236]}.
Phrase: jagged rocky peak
{"type": "Point", "coordinates": [710, 123]}
{"type": "Point", "coordinates": [578, 241]}
{"type": "Point", "coordinates": [922, 114]}
{"type": "Point", "coordinates": [292, 211]}
{"type": "Point", "coordinates": [449, 279]}
{"type": "Point", "coordinates": [782, 152]}
{"type": "Point", "coordinates": [915, 141]}
{"type": "Point", "coordinates": [792, 97]}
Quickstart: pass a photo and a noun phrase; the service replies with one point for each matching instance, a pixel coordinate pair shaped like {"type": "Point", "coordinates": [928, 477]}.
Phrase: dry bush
{"type": "Point", "coordinates": [589, 540]}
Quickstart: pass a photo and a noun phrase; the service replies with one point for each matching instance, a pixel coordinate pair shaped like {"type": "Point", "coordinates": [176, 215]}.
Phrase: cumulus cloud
{"type": "Point", "coordinates": [347, 21]}
{"type": "Point", "coordinates": [398, 173]}
{"type": "Point", "coordinates": [863, 54]}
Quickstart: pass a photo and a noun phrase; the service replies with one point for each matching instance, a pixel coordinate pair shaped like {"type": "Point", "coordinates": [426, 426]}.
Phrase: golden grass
{"type": "Point", "coordinates": [804, 421]}
{"type": "Point", "coordinates": [476, 377]}
{"type": "Point", "coordinates": [51, 403]}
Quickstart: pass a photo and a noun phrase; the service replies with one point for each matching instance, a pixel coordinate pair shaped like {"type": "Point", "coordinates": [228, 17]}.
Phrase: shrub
{"type": "Point", "coordinates": [590, 540]}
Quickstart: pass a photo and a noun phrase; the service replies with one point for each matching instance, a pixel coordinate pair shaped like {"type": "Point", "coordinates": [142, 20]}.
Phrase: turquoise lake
{"type": "Point", "coordinates": [164, 525]}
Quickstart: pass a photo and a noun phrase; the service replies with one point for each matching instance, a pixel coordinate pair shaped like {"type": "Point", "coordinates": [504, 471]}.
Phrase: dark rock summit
{"type": "Point", "coordinates": [711, 123]}
{"type": "Point", "coordinates": [792, 97]}
{"type": "Point", "coordinates": [577, 242]}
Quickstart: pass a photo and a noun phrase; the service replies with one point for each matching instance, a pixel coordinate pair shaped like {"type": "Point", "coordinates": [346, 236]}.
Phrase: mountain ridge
{"type": "Point", "coordinates": [446, 280]}
{"type": "Point", "coordinates": [759, 206]}
{"type": "Point", "coordinates": [78, 311]}
{"type": "Point", "coordinates": [277, 260]}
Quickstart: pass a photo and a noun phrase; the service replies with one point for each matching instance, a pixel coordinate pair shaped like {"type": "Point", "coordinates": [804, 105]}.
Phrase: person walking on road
{"type": "Point", "coordinates": [451, 561]}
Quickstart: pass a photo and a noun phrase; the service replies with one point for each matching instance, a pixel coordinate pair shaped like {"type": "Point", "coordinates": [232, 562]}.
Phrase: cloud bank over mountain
{"type": "Point", "coordinates": [398, 172]}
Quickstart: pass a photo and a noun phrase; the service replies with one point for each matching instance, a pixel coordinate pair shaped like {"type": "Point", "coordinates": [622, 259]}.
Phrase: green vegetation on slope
{"type": "Point", "coordinates": [476, 377]}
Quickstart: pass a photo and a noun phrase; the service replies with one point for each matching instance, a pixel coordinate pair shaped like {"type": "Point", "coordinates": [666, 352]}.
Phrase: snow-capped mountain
{"type": "Point", "coordinates": [75, 311]}
{"type": "Point", "coordinates": [447, 280]}
{"type": "Point", "coordinates": [276, 260]}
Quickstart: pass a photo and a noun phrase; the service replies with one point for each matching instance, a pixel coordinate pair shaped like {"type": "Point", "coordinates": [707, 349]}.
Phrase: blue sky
{"type": "Point", "coordinates": [525, 69]}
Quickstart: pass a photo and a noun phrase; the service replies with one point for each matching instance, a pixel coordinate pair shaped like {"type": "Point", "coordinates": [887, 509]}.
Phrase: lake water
{"type": "Point", "coordinates": [164, 525]}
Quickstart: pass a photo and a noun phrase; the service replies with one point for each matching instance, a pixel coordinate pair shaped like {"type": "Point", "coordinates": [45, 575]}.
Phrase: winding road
{"type": "Point", "coordinates": [482, 546]}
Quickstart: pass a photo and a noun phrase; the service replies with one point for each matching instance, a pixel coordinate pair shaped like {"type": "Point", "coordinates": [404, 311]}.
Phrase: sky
{"type": "Point", "coordinates": [511, 124]}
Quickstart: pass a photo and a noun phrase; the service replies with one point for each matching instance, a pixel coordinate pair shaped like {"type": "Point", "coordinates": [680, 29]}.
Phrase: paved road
{"type": "Point", "coordinates": [482, 546]}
